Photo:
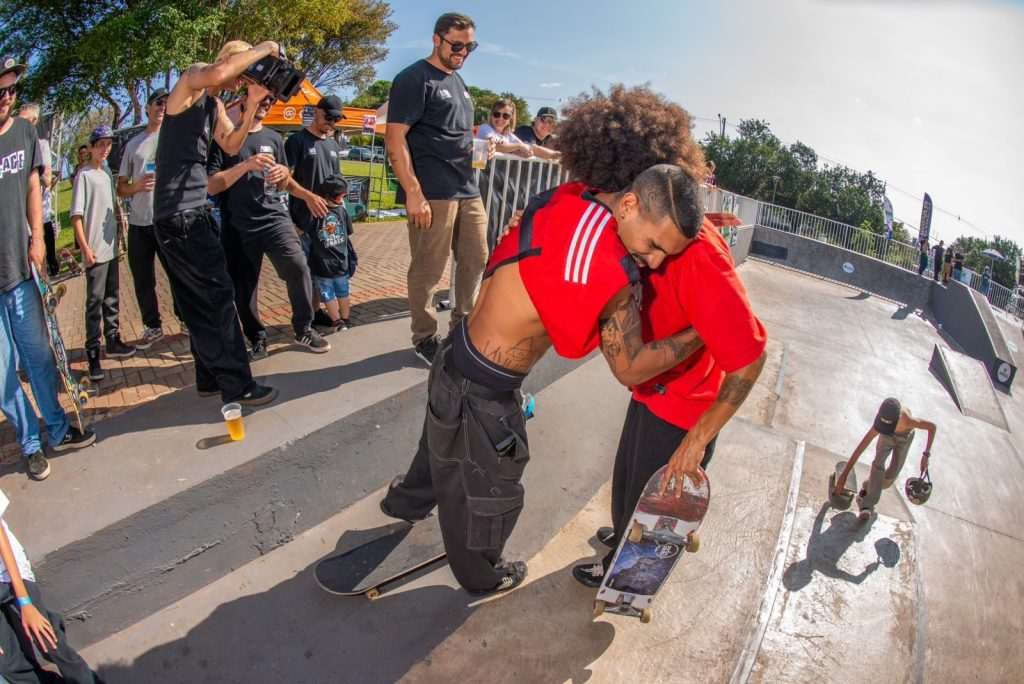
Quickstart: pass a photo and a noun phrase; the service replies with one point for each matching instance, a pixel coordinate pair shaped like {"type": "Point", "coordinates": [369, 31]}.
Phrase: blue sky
{"type": "Point", "coordinates": [926, 93]}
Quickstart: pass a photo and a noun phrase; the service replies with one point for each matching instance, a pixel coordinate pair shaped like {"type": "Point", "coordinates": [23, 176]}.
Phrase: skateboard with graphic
{"type": "Point", "coordinates": [68, 259]}
{"type": "Point", "coordinates": [664, 526]}
{"type": "Point", "coordinates": [78, 390]}
{"type": "Point", "coordinates": [842, 501]}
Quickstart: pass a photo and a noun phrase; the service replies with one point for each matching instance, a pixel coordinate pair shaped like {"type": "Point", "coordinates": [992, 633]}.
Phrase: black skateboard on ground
{"type": "Point", "coordinates": [402, 550]}
{"type": "Point", "coordinates": [842, 501]}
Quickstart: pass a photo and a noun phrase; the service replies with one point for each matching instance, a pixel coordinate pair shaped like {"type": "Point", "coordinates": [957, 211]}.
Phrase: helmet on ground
{"type": "Point", "coordinates": [918, 489]}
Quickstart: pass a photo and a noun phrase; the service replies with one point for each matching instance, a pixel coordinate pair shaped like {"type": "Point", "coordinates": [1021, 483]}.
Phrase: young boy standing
{"type": "Point", "coordinates": [28, 622]}
{"type": "Point", "coordinates": [332, 259]}
{"type": "Point", "coordinates": [92, 216]}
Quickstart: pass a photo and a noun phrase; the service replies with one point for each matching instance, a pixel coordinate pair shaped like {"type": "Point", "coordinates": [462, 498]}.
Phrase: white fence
{"type": "Point", "coordinates": [509, 182]}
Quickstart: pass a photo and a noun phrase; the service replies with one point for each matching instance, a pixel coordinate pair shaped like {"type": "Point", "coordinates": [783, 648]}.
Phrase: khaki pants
{"type": "Point", "coordinates": [458, 226]}
{"type": "Point", "coordinates": [885, 470]}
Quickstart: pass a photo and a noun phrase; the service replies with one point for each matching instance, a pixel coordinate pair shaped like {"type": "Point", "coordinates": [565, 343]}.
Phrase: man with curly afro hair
{"type": "Point", "coordinates": [566, 276]}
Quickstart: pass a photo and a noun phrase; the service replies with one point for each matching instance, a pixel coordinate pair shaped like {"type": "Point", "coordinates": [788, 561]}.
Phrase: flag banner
{"type": "Point", "coordinates": [926, 219]}
{"type": "Point", "coordinates": [887, 210]}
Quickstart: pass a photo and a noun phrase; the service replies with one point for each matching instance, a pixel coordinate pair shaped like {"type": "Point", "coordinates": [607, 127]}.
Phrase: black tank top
{"type": "Point", "coordinates": [181, 158]}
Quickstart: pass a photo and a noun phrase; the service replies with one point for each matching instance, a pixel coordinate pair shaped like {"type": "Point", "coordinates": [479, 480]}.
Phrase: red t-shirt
{"type": "Point", "coordinates": [571, 262]}
{"type": "Point", "coordinates": [698, 288]}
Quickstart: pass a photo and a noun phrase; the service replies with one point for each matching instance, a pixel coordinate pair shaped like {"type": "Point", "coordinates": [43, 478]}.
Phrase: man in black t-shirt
{"type": "Point", "coordinates": [540, 134]}
{"type": "Point", "coordinates": [253, 182]}
{"type": "Point", "coordinates": [313, 156]}
{"type": "Point", "coordinates": [22, 326]}
{"type": "Point", "coordinates": [429, 141]}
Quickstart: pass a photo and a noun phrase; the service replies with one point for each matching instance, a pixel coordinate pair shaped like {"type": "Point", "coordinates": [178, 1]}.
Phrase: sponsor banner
{"type": "Point", "coordinates": [926, 219]}
{"type": "Point", "coordinates": [887, 210]}
{"type": "Point", "coordinates": [369, 124]}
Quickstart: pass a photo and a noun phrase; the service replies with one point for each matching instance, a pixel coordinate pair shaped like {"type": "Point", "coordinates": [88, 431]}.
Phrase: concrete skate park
{"type": "Point", "coordinates": [177, 556]}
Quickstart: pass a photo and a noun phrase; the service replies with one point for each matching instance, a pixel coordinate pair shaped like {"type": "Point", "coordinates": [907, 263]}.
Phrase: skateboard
{"type": "Point", "coordinates": [663, 527]}
{"type": "Point", "coordinates": [842, 501]}
{"type": "Point", "coordinates": [403, 549]}
{"type": "Point", "coordinates": [78, 390]}
{"type": "Point", "coordinates": [68, 259]}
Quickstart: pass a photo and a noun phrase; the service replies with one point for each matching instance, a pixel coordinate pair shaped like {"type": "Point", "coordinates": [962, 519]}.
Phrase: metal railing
{"type": "Point", "coordinates": [509, 182]}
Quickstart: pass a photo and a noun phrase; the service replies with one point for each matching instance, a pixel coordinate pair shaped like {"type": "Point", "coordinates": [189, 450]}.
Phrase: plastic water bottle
{"type": "Point", "coordinates": [529, 404]}
{"type": "Point", "coordinates": [269, 189]}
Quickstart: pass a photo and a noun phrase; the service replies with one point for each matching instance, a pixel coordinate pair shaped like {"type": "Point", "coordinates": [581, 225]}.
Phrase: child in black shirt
{"type": "Point", "coordinates": [332, 259]}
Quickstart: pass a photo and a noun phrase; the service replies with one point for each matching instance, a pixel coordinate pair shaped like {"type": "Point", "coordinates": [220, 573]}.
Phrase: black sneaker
{"type": "Point", "coordinates": [258, 350]}
{"type": "Point", "coordinates": [95, 372]}
{"type": "Point", "coordinates": [427, 349]}
{"type": "Point", "coordinates": [606, 535]}
{"type": "Point", "coordinates": [257, 396]}
{"type": "Point", "coordinates": [589, 574]}
{"type": "Point", "coordinates": [117, 349]}
{"type": "Point", "coordinates": [312, 341]}
{"type": "Point", "coordinates": [74, 439]}
{"type": "Point", "coordinates": [516, 573]}
{"type": "Point", "coordinates": [38, 466]}
{"type": "Point", "coordinates": [208, 393]}
{"type": "Point", "coordinates": [347, 324]}
{"type": "Point", "coordinates": [388, 512]}
{"type": "Point", "coordinates": [322, 322]}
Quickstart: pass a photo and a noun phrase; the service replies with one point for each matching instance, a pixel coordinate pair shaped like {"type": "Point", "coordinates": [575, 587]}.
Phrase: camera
{"type": "Point", "coordinates": [277, 75]}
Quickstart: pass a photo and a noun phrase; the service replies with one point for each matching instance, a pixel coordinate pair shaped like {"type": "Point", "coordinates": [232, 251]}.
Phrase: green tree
{"type": "Point", "coordinates": [373, 96]}
{"type": "Point", "coordinates": [483, 99]}
{"type": "Point", "coordinates": [1004, 272]}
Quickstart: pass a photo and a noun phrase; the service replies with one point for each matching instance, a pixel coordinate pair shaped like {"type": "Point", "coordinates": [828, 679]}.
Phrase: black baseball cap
{"type": "Point", "coordinates": [10, 63]}
{"type": "Point", "coordinates": [331, 104]}
{"type": "Point", "coordinates": [157, 94]}
{"type": "Point", "coordinates": [547, 111]}
{"type": "Point", "coordinates": [333, 186]}
{"type": "Point", "coordinates": [887, 417]}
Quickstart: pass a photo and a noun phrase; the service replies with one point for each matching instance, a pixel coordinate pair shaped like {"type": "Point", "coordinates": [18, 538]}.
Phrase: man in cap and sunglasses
{"type": "Point", "coordinates": [429, 140]}
{"type": "Point", "coordinates": [22, 326]}
{"type": "Point", "coordinates": [894, 427]}
{"type": "Point", "coordinates": [541, 133]}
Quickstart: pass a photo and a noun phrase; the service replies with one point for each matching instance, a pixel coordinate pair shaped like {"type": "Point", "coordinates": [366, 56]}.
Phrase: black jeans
{"type": "Point", "coordinates": [646, 444]}
{"type": "Point", "coordinates": [18, 663]}
{"type": "Point", "coordinates": [245, 277]}
{"type": "Point", "coordinates": [142, 250]}
{"type": "Point", "coordinates": [922, 263]}
{"type": "Point", "coordinates": [190, 243]}
{"type": "Point", "coordinates": [50, 240]}
{"type": "Point", "coordinates": [102, 283]}
{"type": "Point", "coordinates": [459, 468]}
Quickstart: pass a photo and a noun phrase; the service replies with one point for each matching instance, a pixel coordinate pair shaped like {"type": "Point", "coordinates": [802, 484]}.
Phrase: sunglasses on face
{"type": "Point", "coordinates": [546, 119]}
{"type": "Point", "coordinates": [332, 119]}
{"type": "Point", "coordinates": [162, 102]}
{"type": "Point", "coordinates": [459, 46]}
{"type": "Point", "coordinates": [501, 115]}
{"type": "Point", "coordinates": [10, 90]}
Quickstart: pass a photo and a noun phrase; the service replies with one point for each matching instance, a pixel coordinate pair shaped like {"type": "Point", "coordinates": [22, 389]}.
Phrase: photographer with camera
{"type": "Point", "coordinates": [185, 229]}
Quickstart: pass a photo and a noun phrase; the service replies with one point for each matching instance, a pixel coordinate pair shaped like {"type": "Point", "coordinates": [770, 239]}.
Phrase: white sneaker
{"type": "Point", "coordinates": [150, 336]}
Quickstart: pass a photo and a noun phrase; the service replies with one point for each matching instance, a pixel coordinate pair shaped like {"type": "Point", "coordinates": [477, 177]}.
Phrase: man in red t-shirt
{"type": "Point", "coordinates": [675, 418]}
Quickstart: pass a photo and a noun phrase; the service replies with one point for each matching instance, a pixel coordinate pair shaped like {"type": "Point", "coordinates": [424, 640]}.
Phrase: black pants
{"type": "Point", "coordinates": [458, 468]}
{"type": "Point", "coordinates": [18, 664]}
{"type": "Point", "coordinates": [938, 268]}
{"type": "Point", "coordinates": [646, 444]}
{"type": "Point", "coordinates": [190, 243]}
{"type": "Point", "coordinates": [102, 283]}
{"type": "Point", "coordinates": [245, 277]}
{"type": "Point", "coordinates": [922, 263]}
{"type": "Point", "coordinates": [142, 252]}
{"type": "Point", "coordinates": [50, 240]}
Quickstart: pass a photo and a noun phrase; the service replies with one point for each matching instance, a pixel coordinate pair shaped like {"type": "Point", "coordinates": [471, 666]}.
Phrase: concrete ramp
{"type": "Point", "coordinates": [967, 381]}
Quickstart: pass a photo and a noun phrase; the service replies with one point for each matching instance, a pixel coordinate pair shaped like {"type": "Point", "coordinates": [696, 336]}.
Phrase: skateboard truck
{"type": "Point", "coordinates": [842, 501]}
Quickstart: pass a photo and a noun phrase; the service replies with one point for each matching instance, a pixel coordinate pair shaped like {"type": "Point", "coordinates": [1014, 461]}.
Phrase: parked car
{"type": "Point", "coordinates": [364, 154]}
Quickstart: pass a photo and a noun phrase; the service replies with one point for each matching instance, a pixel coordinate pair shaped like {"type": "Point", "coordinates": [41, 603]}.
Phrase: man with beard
{"type": "Point", "coordinates": [185, 229]}
{"type": "Point", "coordinates": [429, 141]}
{"type": "Point", "coordinates": [253, 181]}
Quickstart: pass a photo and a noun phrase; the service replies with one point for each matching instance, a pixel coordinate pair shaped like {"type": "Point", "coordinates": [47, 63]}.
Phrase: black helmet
{"type": "Point", "coordinates": [918, 489]}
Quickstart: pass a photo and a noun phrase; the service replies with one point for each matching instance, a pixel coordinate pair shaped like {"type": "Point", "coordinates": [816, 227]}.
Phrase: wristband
{"type": "Point", "coordinates": [24, 601]}
{"type": "Point", "coordinates": [927, 453]}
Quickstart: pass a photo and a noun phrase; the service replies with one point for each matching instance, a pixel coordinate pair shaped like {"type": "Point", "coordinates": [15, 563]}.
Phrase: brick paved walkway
{"type": "Point", "coordinates": [378, 290]}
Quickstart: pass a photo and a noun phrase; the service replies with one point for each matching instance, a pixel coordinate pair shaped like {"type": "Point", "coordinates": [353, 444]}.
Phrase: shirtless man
{"type": "Point", "coordinates": [564, 277]}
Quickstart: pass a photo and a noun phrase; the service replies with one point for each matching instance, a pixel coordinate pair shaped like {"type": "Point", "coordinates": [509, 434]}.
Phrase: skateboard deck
{"type": "Point", "coordinates": [403, 549]}
{"type": "Point", "coordinates": [663, 527]}
{"type": "Point", "coordinates": [68, 259]}
{"type": "Point", "coordinates": [78, 390]}
{"type": "Point", "coordinates": [842, 501]}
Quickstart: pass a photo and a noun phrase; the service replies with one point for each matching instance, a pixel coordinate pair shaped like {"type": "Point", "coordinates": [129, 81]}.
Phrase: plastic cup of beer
{"type": "Point", "coordinates": [233, 417]}
{"type": "Point", "coordinates": [480, 149]}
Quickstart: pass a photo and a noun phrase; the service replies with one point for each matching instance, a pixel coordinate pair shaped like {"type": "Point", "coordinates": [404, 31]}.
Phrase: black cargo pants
{"type": "Point", "coordinates": [469, 463]}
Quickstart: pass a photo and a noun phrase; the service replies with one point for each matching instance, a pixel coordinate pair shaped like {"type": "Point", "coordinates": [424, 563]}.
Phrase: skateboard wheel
{"type": "Point", "coordinates": [60, 291]}
{"type": "Point", "coordinates": [693, 542]}
{"type": "Point", "coordinates": [636, 532]}
{"type": "Point", "coordinates": [85, 383]}
{"type": "Point", "coordinates": [598, 608]}
{"type": "Point", "coordinates": [373, 594]}
{"type": "Point", "coordinates": [83, 398]}
{"type": "Point", "coordinates": [646, 616]}
{"type": "Point", "coordinates": [51, 303]}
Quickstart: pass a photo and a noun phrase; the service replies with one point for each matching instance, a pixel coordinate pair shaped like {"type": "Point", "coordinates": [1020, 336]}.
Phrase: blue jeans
{"type": "Point", "coordinates": [23, 327]}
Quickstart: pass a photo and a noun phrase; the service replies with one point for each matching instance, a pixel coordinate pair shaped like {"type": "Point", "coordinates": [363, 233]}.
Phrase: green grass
{"type": "Point", "coordinates": [67, 236]}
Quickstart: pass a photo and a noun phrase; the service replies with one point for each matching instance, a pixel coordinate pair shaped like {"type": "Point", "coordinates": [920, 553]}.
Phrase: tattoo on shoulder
{"type": "Point", "coordinates": [197, 68]}
{"type": "Point", "coordinates": [734, 391]}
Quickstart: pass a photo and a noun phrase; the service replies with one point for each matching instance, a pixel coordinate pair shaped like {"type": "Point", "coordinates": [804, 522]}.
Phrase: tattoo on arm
{"type": "Point", "coordinates": [734, 391]}
{"type": "Point", "coordinates": [680, 346]}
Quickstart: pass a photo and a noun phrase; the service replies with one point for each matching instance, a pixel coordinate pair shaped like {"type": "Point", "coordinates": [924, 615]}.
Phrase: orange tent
{"type": "Point", "coordinates": [288, 115]}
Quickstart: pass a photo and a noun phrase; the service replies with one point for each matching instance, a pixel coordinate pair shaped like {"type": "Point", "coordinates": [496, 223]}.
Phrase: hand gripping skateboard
{"type": "Point", "coordinates": [78, 390]}
{"type": "Point", "coordinates": [842, 501]}
{"type": "Point", "coordinates": [663, 527]}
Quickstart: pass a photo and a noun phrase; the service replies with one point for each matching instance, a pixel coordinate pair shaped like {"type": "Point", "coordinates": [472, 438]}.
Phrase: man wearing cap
{"type": "Point", "coordinates": [92, 218]}
{"type": "Point", "coordinates": [135, 182]}
{"type": "Point", "coordinates": [540, 134]}
{"type": "Point", "coordinates": [894, 427]}
{"type": "Point", "coordinates": [22, 326]}
{"type": "Point", "coordinates": [313, 156]}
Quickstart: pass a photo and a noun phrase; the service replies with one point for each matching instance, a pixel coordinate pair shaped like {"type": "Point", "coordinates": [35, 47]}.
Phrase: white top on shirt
{"type": "Point", "coordinates": [487, 132]}
{"type": "Point", "coordinates": [24, 567]}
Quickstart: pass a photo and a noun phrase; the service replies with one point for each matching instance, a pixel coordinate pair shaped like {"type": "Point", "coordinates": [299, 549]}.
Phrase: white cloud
{"type": "Point", "coordinates": [500, 51]}
{"type": "Point", "coordinates": [550, 85]}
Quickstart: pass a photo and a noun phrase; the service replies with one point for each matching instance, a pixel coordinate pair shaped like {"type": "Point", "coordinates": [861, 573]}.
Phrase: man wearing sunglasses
{"type": "Point", "coordinates": [540, 134]}
{"type": "Point", "coordinates": [135, 181]}
{"type": "Point", "coordinates": [22, 327]}
{"type": "Point", "coordinates": [429, 140]}
{"type": "Point", "coordinates": [313, 156]}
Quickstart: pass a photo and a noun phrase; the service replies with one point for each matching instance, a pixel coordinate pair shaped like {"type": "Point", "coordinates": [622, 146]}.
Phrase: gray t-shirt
{"type": "Point", "coordinates": [93, 199]}
{"type": "Point", "coordinates": [140, 151]}
{"type": "Point", "coordinates": [18, 151]}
